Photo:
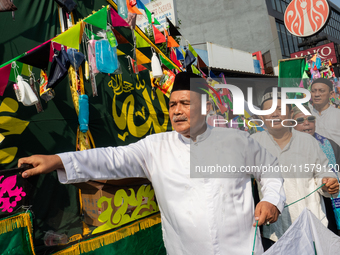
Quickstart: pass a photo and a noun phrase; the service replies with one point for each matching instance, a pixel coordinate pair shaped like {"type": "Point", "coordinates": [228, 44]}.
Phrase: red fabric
{"type": "Point", "coordinates": [56, 46]}
{"type": "Point", "coordinates": [159, 37]}
{"type": "Point", "coordinates": [4, 76]}
{"type": "Point", "coordinates": [200, 62]}
{"type": "Point", "coordinates": [174, 59]}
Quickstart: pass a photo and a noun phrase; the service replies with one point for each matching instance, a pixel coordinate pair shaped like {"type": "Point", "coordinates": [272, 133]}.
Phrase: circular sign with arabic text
{"type": "Point", "coordinates": [306, 17]}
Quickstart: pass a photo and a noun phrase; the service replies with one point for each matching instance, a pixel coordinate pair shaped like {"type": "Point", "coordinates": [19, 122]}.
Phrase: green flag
{"type": "Point", "coordinates": [192, 50]}
{"type": "Point", "coordinates": [148, 13]}
{"type": "Point", "coordinates": [89, 34]}
{"type": "Point", "coordinates": [140, 41]}
{"type": "Point", "coordinates": [167, 63]}
{"type": "Point", "coordinates": [290, 73]}
{"type": "Point", "coordinates": [195, 70]}
{"type": "Point", "coordinates": [98, 19]}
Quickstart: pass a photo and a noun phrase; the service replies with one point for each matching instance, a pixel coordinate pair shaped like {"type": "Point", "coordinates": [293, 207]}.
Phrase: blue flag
{"type": "Point", "coordinates": [140, 5]}
{"type": "Point", "coordinates": [179, 54]}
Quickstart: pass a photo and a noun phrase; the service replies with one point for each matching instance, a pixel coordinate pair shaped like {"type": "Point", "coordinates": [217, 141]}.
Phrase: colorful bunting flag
{"type": "Point", "coordinates": [141, 58]}
{"type": "Point", "coordinates": [98, 19]}
{"type": "Point", "coordinates": [212, 75]}
{"type": "Point", "coordinates": [200, 62]}
{"type": "Point", "coordinates": [195, 70]}
{"type": "Point", "coordinates": [146, 51]}
{"type": "Point", "coordinates": [38, 57]}
{"type": "Point", "coordinates": [26, 70]}
{"type": "Point", "coordinates": [159, 37]}
{"type": "Point", "coordinates": [89, 34]}
{"type": "Point", "coordinates": [173, 31]}
{"type": "Point", "coordinates": [189, 59]}
{"type": "Point", "coordinates": [120, 53]}
{"type": "Point", "coordinates": [140, 41]}
{"type": "Point", "coordinates": [4, 76]}
{"type": "Point", "coordinates": [139, 67]}
{"type": "Point", "coordinates": [148, 14]}
{"type": "Point", "coordinates": [166, 63]}
{"type": "Point", "coordinates": [179, 54]}
{"type": "Point", "coordinates": [171, 41]}
{"type": "Point", "coordinates": [192, 51]}
{"type": "Point", "coordinates": [56, 46]}
{"type": "Point", "coordinates": [70, 37]}
{"type": "Point", "coordinates": [133, 9]}
{"type": "Point", "coordinates": [120, 39]}
{"type": "Point", "coordinates": [140, 5]}
{"type": "Point", "coordinates": [116, 20]}
{"type": "Point", "coordinates": [174, 58]}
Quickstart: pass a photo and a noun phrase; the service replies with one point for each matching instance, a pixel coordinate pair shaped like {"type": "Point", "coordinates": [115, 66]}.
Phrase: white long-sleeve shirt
{"type": "Point", "coordinates": [299, 182]}
{"type": "Point", "coordinates": [328, 123]}
{"type": "Point", "coordinates": [199, 215]}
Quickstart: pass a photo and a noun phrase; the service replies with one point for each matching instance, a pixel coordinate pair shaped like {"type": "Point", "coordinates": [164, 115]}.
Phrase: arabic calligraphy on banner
{"type": "Point", "coordinates": [124, 116]}
{"type": "Point", "coordinates": [123, 208]}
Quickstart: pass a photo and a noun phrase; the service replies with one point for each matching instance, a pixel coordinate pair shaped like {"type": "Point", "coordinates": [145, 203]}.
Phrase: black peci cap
{"type": "Point", "coordinates": [189, 81]}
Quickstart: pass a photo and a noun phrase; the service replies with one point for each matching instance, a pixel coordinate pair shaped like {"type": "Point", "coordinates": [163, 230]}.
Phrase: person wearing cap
{"type": "Point", "coordinates": [327, 116]}
{"type": "Point", "coordinates": [199, 215]}
{"type": "Point", "coordinates": [306, 123]}
{"type": "Point", "coordinates": [297, 152]}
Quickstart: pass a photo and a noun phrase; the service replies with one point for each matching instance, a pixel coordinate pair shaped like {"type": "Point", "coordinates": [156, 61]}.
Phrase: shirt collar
{"type": "Point", "coordinates": [199, 138]}
{"type": "Point", "coordinates": [288, 144]}
{"type": "Point", "coordinates": [323, 112]}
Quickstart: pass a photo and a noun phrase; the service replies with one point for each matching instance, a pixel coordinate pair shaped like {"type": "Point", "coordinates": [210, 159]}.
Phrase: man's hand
{"type": "Point", "coordinates": [331, 185]}
{"type": "Point", "coordinates": [266, 212]}
{"type": "Point", "coordinates": [42, 164]}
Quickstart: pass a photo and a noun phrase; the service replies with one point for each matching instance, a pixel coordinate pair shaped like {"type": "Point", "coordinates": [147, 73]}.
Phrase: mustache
{"type": "Point", "coordinates": [179, 118]}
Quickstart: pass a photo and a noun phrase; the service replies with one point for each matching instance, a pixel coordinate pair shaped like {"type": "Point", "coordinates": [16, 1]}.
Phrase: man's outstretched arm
{"type": "Point", "coordinates": [95, 164]}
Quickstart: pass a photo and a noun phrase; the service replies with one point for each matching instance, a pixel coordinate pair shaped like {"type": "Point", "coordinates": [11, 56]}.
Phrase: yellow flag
{"type": "Point", "coordinates": [141, 58]}
{"type": "Point", "coordinates": [120, 53]}
{"type": "Point", "coordinates": [70, 37]}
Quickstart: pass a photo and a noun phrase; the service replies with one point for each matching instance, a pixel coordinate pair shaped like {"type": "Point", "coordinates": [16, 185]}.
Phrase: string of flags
{"type": "Point", "coordinates": [137, 48]}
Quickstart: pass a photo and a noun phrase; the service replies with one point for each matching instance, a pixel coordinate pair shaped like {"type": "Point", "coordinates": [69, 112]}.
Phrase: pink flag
{"type": "Point", "coordinates": [4, 76]}
{"type": "Point", "coordinates": [117, 21]}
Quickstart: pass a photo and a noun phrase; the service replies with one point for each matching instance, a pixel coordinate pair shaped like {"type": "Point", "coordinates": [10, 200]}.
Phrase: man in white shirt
{"type": "Point", "coordinates": [302, 157]}
{"type": "Point", "coordinates": [199, 215]}
{"type": "Point", "coordinates": [327, 116]}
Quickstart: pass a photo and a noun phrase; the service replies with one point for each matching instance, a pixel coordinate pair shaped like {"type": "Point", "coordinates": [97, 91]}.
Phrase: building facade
{"type": "Point", "coordinates": [249, 25]}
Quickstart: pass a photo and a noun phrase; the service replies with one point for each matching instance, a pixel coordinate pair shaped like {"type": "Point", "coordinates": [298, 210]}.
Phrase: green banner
{"type": "Point", "coordinates": [124, 111]}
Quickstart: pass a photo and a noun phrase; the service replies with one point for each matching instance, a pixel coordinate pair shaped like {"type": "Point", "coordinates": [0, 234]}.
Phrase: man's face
{"type": "Point", "coordinates": [306, 126]}
{"type": "Point", "coordinates": [321, 94]}
{"type": "Point", "coordinates": [274, 126]}
{"type": "Point", "coordinates": [185, 112]}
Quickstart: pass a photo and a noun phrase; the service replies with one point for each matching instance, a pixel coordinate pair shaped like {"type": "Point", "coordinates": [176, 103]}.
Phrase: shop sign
{"type": "Point", "coordinates": [326, 52]}
{"type": "Point", "coordinates": [304, 18]}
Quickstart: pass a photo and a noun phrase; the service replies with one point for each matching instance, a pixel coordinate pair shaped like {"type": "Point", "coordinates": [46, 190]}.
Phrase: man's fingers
{"type": "Point", "coordinates": [27, 160]}
{"type": "Point", "coordinates": [31, 172]}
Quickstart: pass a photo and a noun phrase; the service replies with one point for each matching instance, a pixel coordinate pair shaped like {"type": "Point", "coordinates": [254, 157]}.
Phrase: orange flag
{"type": "Point", "coordinates": [171, 41]}
{"type": "Point", "coordinates": [133, 9]}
